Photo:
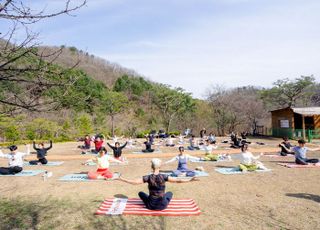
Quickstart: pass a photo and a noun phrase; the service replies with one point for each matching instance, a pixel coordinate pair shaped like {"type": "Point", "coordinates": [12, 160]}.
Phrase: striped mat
{"type": "Point", "coordinates": [134, 206]}
{"type": "Point", "coordinates": [293, 165]}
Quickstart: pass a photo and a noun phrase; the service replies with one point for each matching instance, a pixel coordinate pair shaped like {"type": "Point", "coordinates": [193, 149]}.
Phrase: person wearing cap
{"type": "Point", "coordinates": [41, 154]}
{"type": "Point", "coordinates": [157, 199]}
{"type": "Point", "coordinates": [301, 154]}
{"type": "Point", "coordinates": [15, 160]}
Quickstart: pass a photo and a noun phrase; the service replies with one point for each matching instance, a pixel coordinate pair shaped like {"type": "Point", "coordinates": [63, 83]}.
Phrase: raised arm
{"type": "Point", "coordinates": [34, 146]}
{"type": "Point", "coordinates": [112, 147]}
{"type": "Point", "coordinates": [133, 182]}
{"type": "Point", "coordinates": [124, 145]}
{"type": "Point", "coordinates": [182, 180]}
{"type": "Point", "coordinates": [49, 146]}
{"type": "Point", "coordinates": [2, 155]}
{"type": "Point", "coordinates": [28, 150]}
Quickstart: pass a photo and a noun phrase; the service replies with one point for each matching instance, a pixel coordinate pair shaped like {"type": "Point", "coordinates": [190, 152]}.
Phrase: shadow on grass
{"type": "Point", "coordinates": [306, 196]}
{"type": "Point", "coordinates": [46, 214]}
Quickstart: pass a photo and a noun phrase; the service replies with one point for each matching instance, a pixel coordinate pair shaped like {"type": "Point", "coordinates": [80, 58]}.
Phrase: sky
{"type": "Point", "coordinates": [194, 44]}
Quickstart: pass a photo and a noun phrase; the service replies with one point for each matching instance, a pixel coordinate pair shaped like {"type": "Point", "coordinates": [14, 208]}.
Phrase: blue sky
{"type": "Point", "coordinates": [195, 44]}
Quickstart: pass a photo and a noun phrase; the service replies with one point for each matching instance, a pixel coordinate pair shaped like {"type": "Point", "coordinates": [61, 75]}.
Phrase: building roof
{"type": "Point", "coordinates": [306, 111]}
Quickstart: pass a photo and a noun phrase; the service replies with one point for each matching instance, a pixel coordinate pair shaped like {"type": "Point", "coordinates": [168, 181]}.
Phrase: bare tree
{"type": "Point", "coordinates": [25, 73]}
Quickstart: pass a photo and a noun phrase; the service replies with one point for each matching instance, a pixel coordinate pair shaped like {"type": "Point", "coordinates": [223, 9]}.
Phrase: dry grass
{"type": "Point", "coordinates": [282, 199]}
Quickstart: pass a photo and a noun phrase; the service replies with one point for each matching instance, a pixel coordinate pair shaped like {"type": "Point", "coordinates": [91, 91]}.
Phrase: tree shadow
{"type": "Point", "coordinates": [307, 196]}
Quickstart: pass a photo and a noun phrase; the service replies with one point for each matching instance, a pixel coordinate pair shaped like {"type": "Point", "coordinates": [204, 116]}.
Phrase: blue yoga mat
{"type": "Point", "coordinates": [27, 173]}
{"type": "Point", "coordinates": [50, 163]}
{"type": "Point", "coordinates": [82, 177]}
{"type": "Point", "coordinates": [75, 177]}
{"type": "Point", "coordinates": [235, 170]}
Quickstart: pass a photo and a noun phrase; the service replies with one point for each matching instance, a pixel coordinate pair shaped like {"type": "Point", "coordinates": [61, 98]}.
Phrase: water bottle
{"type": "Point", "coordinates": [45, 176]}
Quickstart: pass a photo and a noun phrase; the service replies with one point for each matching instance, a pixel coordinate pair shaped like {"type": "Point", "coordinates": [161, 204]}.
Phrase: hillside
{"type": "Point", "coordinates": [96, 67]}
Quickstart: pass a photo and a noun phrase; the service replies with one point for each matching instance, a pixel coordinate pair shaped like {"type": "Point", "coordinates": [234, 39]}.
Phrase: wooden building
{"type": "Point", "coordinates": [295, 122]}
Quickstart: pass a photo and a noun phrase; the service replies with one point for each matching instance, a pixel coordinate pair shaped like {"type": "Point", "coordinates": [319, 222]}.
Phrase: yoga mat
{"type": "Point", "coordinates": [140, 152]}
{"type": "Point", "coordinates": [111, 163]}
{"type": "Point", "coordinates": [198, 174]}
{"type": "Point", "coordinates": [50, 163]}
{"type": "Point", "coordinates": [134, 206]}
{"type": "Point", "coordinates": [82, 178]}
{"type": "Point", "coordinates": [202, 161]}
{"type": "Point", "coordinates": [293, 165]}
{"type": "Point", "coordinates": [277, 156]}
{"type": "Point", "coordinates": [235, 170]}
{"type": "Point", "coordinates": [27, 173]}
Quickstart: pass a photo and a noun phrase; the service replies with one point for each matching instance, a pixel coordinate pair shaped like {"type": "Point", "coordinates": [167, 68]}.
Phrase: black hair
{"type": "Point", "coordinates": [301, 141]}
{"type": "Point", "coordinates": [285, 138]}
{"type": "Point", "coordinates": [244, 147]}
{"type": "Point", "coordinates": [13, 148]}
{"type": "Point", "coordinates": [181, 148]}
{"type": "Point", "coordinates": [117, 143]}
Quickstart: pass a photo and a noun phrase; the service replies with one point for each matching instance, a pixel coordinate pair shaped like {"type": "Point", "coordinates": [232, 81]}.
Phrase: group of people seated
{"type": "Point", "coordinates": [300, 151]}
{"type": "Point", "coordinates": [15, 158]}
{"type": "Point", "coordinates": [157, 199]}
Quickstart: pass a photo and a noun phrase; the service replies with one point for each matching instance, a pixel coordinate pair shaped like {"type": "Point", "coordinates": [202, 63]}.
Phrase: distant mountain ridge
{"type": "Point", "coordinates": [96, 67]}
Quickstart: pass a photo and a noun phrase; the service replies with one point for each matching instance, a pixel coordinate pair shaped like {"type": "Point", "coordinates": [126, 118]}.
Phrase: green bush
{"type": "Point", "coordinates": [11, 133]}
{"type": "Point", "coordinates": [143, 133]}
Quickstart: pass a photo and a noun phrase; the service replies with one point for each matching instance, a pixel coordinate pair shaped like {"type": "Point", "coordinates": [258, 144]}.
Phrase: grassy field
{"type": "Point", "coordinates": [281, 199]}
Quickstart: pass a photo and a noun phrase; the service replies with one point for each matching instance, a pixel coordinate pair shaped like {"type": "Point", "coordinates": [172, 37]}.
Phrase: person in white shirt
{"type": "Point", "coordinates": [15, 160]}
{"type": "Point", "coordinates": [208, 148]}
{"type": "Point", "coordinates": [248, 162]}
{"type": "Point", "coordinates": [103, 163]}
{"type": "Point", "coordinates": [169, 142]}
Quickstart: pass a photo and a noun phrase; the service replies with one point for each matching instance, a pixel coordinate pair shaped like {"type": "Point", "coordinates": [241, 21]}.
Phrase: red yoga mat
{"type": "Point", "coordinates": [134, 206]}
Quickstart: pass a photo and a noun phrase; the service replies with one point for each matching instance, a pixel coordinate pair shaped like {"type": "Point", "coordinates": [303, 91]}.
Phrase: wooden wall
{"type": "Point", "coordinates": [284, 114]}
{"type": "Point", "coordinates": [316, 121]}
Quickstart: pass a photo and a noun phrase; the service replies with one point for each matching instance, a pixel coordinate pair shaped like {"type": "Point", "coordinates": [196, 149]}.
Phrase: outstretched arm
{"type": "Point", "coordinates": [134, 182]}
{"type": "Point", "coordinates": [314, 149]}
{"type": "Point", "coordinates": [170, 161]}
{"type": "Point", "coordinates": [287, 149]}
{"type": "Point", "coordinates": [180, 180]}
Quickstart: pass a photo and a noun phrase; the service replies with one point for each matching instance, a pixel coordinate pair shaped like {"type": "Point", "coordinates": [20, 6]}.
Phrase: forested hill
{"type": "Point", "coordinates": [96, 67]}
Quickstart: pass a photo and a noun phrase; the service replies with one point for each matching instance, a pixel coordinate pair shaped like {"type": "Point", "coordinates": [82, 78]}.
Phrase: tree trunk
{"type": "Point", "coordinates": [112, 125]}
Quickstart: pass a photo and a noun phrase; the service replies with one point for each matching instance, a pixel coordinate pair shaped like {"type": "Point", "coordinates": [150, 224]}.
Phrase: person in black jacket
{"type": "Point", "coordinates": [41, 154]}
{"type": "Point", "coordinates": [117, 149]}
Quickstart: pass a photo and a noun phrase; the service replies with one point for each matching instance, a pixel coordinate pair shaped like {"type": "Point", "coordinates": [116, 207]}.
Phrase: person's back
{"type": "Point", "coordinates": [156, 185]}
